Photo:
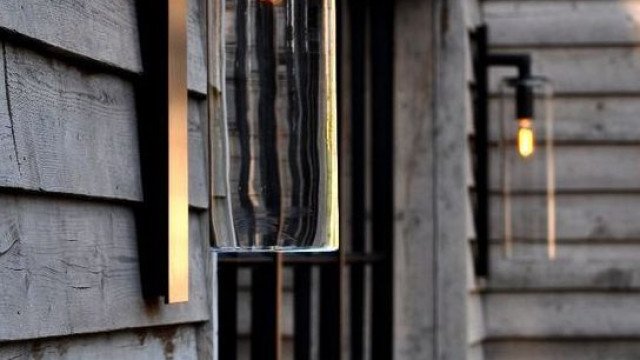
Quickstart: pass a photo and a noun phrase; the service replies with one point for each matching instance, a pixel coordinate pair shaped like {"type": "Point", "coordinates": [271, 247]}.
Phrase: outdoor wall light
{"type": "Point", "coordinates": [274, 175]}
{"type": "Point", "coordinates": [161, 96]}
{"type": "Point", "coordinates": [522, 183]}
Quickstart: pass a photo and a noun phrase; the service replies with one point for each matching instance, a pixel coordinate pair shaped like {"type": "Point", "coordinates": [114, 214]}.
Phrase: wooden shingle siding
{"type": "Point", "coordinates": [71, 266]}
{"type": "Point", "coordinates": [587, 349]}
{"type": "Point", "coordinates": [75, 132]}
{"type": "Point", "coordinates": [70, 181]}
{"type": "Point", "coordinates": [591, 118]}
{"type": "Point", "coordinates": [573, 70]}
{"type": "Point", "coordinates": [101, 31]}
{"type": "Point", "coordinates": [583, 304]}
{"type": "Point", "coordinates": [563, 23]}
{"type": "Point", "coordinates": [172, 342]}
{"type": "Point", "coordinates": [562, 314]}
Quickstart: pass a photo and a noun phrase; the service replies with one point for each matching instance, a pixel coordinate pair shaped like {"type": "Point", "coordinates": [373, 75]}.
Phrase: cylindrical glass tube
{"type": "Point", "coordinates": [281, 125]}
{"type": "Point", "coordinates": [526, 183]}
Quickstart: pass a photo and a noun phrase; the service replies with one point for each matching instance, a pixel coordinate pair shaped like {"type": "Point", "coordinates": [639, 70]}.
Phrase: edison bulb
{"type": "Point", "coordinates": [525, 138]}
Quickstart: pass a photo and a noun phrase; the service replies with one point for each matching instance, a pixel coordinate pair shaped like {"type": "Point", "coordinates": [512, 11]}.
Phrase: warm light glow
{"type": "Point", "coordinates": [525, 138]}
{"type": "Point", "coordinates": [178, 287]}
{"type": "Point", "coordinates": [272, 2]}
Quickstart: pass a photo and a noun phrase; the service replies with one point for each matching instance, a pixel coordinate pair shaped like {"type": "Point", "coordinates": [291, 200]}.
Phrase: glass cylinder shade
{"type": "Point", "coordinates": [525, 158]}
{"type": "Point", "coordinates": [280, 98]}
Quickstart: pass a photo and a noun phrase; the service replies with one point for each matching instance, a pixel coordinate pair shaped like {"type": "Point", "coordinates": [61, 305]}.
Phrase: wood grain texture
{"type": "Point", "coordinates": [587, 349]}
{"type": "Point", "coordinates": [587, 216]}
{"type": "Point", "coordinates": [590, 119]}
{"type": "Point", "coordinates": [75, 132]}
{"type": "Point", "coordinates": [415, 326]}
{"type": "Point", "coordinates": [451, 200]}
{"type": "Point", "coordinates": [565, 314]}
{"type": "Point", "coordinates": [563, 22]}
{"type": "Point", "coordinates": [173, 342]}
{"type": "Point", "coordinates": [8, 153]}
{"type": "Point", "coordinates": [71, 267]}
{"type": "Point", "coordinates": [585, 168]}
{"type": "Point", "coordinates": [103, 31]}
{"type": "Point", "coordinates": [198, 167]}
{"type": "Point", "coordinates": [586, 71]}
{"type": "Point", "coordinates": [593, 271]}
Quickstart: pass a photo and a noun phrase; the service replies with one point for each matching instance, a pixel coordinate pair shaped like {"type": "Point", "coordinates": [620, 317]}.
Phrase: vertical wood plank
{"type": "Point", "coordinates": [414, 255]}
{"type": "Point", "coordinates": [451, 196]}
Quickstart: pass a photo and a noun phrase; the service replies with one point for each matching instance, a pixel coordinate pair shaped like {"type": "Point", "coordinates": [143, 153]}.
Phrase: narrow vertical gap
{"type": "Point", "coordinates": [266, 298]}
{"type": "Point", "coordinates": [228, 311]}
{"type": "Point", "coordinates": [357, 19]}
{"type": "Point", "coordinates": [382, 174]}
{"type": "Point", "coordinates": [330, 311]}
{"type": "Point", "coordinates": [302, 312]}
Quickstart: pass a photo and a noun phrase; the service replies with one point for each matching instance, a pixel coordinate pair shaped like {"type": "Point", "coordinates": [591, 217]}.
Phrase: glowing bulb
{"type": "Point", "coordinates": [525, 138]}
{"type": "Point", "coordinates": [272, 2]}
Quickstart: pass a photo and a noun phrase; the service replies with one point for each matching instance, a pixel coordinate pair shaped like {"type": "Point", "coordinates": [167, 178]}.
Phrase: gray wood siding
{"type": "Point", "coordinates": [581, 305]}
{"type": "Point", "coordinates": [69, 181]}
{"type": "Point", "coordinates": [174, 342]}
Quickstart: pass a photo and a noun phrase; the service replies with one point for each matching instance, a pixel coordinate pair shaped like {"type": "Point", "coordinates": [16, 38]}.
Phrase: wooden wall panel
{"type": "Point", "coordinates": [70, 267]}
{"type": "Point", "coordinates": [173, 342]}
{"type": "Point", "coordinates": [590, 119]}
{"type": "Point", "coordinates": [588, 216]}
{"type": "Point", "coordinates": [75, 132]}
{"type": "Point", "coordinates": [582, 70]}
{"type": "Point", "coordinates": [563, 22]}
{"type": "Point", "coordinates": [562, 314]}
{"type": "Point", "coordinates": [582, 168]}
{"type": "Point", "coordinates": [587, 349]}
{"type": "Point", "coordinates": [103, 31]}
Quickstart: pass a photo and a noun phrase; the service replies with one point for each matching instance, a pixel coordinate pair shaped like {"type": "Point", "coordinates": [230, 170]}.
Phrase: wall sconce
{"type": "Point", "coordinates": [274, 175]}
{"type": "Point", "coordinates": [522, 144]}
{"type": "Point", "coordinates": [161, 96]}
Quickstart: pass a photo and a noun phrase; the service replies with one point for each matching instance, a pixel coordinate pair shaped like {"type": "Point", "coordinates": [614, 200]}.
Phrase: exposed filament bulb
{"type": "Point", "coordinates": [272, 2]}
{"type": "Point", "coordinates": [526, 139]}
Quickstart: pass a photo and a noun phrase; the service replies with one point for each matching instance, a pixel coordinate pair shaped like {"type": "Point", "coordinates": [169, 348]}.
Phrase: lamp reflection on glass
{"type": "Point", "coordinates": [527, 175]}
{"type": "Point", "coordinates": [274, 151]}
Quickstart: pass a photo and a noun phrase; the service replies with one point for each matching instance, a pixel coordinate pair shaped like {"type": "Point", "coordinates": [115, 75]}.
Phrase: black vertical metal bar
{"type": "Point", "coordinates": [482, 152]}
{"type": "Point", "coordinates": [330, 337]}
{"type": "Point", "coordinates": [265, 309]}
{"type": "Point", "coordinates": [357, 24]}
{"type": "Point", "coordinates": [302, 312]}
{"type": "Point", "coordinates": [151, 100]}
{"type": "Point", "coordinates": [227, 311]}
{"type": "Point", "coordinates": [382, 170]}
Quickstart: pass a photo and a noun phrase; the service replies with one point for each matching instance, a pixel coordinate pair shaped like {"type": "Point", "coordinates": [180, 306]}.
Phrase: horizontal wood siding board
{"type": "Point", "coordinates": [171, 342]}
{"type": "Point", "coordinates": [596, 216]}
{"type": "Point", "coordinates": [71, 267]}
{"type": "Point", "coordinates": [105, 31]}
{"type": "Point", "coordinates": [562, 314]}
{"type": "Point", "coordinates": [551, 349]}
{"type": "Point", "coordinates": [75, 132]}
{"type": "Point", "coordinates": [593, 119]}
{"type": "Point", "coordinates": [563, 22]}
{"type": "Point", "coordinates": [568, 273]}
{"type": "Point", "coordinates": [613, 70]}
{"type": "Point", "coordinates": [586, 168]}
